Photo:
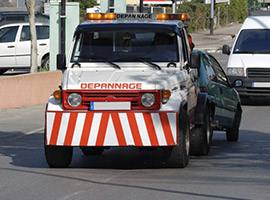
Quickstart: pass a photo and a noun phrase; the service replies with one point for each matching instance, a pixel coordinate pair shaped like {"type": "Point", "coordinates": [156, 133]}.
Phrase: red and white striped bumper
{"type": "Point", "coordinates": [111, 128]}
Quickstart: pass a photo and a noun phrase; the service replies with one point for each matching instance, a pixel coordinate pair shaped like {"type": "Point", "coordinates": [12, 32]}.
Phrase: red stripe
{"type": "Point", "coordinates": [56, 127]}
{"type": "Point", "coordinates": [86, 128]}
{"type": "Point", "coordinates": [70, 128]}
{"type": "Point", "coordinates": [166, 128]}
{"type": "Point", "coordinates": [150, 129]}
{"type": "Point", "coordinates": [134, 129]}
{"type": "Point", "coordinates": [102, 129]}
{"type": "Point", "coordinates": [118, 129]}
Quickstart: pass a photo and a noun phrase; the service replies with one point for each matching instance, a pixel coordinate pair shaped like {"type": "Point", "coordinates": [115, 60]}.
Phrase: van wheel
{"type": "Point", "coordinates": [92, 151]}
{"type": "Point", "coordinates": [232, 134]}
{"type": "Point", "coordinates": [45, 64]}
{"type": "Point", "coordinates": [201, 136]}
{"type": "Point", "coordinates": [2, 71]}
{"type": "Point", "coordinates": [179, 155]}
{"type": "Point", "coordinates": [58, 156]}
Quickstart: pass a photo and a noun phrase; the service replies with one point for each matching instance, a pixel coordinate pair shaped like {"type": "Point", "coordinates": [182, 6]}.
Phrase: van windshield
{"type": "Point", "coordinates": [253, 41]}
{"type": "Point", "coordinates": [126, 46]}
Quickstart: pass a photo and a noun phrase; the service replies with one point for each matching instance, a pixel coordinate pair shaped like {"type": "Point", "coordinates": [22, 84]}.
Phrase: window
{"type": "Point", "coordinates": [8, 34]}
{"type": "Point", "coordinates": [220, 75]}
{"type": "Point", "coordinates": [253, 41]}
{"type": "Point", "coordinates": [209, 70]}
{"type": "Point", "coordinates": [42, 33]}
{"type": "Point", "coordinates": [126, 46]}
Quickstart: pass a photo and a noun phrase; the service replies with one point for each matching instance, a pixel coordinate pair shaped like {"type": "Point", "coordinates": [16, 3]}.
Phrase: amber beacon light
{"type": "Point", "coordinates": [182, 16]}
{"type": "Point", "coordinates": [100, 16]}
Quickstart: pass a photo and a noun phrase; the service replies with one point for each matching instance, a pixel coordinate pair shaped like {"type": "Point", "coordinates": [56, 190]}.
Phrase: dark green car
{"type": "Point", "coordinates": [224, 101]}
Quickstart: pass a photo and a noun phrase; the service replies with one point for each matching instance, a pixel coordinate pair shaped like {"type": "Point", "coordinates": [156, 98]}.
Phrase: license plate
{"type": "Point", "coordinates": [109, 106]}
{"type": "Point", "coordinates": [261, 84]}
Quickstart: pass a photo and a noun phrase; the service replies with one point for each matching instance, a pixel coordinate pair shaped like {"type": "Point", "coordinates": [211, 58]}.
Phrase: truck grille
{"type": "Point", "coordinates": [258, 72]}
{"type": "Point", "coordinates": [134, 97]}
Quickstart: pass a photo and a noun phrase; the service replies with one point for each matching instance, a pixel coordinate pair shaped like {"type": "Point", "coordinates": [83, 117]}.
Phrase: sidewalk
{"type": "Point", "coordinates": [213, 43]}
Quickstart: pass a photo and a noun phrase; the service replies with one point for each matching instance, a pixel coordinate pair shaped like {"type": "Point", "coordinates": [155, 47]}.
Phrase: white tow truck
{"type": "Point", "coordinates": [128, 81]}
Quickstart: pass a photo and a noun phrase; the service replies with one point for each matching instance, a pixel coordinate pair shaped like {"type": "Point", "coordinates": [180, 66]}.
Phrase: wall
{"type": "Point", "coordinates": [28, 90]}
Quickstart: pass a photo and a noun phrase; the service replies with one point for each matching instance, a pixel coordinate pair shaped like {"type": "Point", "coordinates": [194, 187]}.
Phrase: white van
{"type": "Point", "coordinates": [249, 62]}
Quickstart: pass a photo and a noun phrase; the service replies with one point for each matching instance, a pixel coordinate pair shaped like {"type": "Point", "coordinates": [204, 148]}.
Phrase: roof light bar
{"type": "Point", "coordinates": [100, 16]}
{"type": "Point", "coordinates": [182, 16]}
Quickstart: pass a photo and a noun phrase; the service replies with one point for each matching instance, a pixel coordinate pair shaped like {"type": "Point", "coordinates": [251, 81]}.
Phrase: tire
{"type": "Point", "coordinates": [201, 137]}
{"type": "Point", "coordinates": [179, 155]}
{"type": "Point", "coordinates": [58, 157]}
{"type": "Point", "coordinates": [232, 134]}
{"type": "Point", "coordinates": [45, 64]}
{"type": "Point", "coordinates": [92, 151]}
{"type": "Point", "coordinates": [2, 71]}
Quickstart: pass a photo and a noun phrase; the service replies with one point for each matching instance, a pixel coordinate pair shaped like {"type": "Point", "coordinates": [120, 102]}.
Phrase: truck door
{"type": "Point", "coordinates": [7, 46]}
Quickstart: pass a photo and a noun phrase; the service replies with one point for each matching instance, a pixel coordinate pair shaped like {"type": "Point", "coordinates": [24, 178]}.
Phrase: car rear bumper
{"type": "Point", "coordinates": [252, 87]}
{"type": "Point", "coordinates": [111, 128]}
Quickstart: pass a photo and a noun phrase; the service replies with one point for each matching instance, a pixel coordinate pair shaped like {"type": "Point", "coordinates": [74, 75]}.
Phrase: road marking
{"type": "Point", "coordinates": [34, 131]}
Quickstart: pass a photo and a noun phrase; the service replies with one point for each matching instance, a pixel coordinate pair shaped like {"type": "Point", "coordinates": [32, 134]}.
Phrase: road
{"type": "Point", "coordinates": [236, 171]}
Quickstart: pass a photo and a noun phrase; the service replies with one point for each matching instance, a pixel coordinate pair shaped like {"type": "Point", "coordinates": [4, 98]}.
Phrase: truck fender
{"type": "Point", "coordinates": [203, 102]}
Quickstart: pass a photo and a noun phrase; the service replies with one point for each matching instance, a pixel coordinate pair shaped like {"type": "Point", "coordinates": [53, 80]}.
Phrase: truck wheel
{"type": "Point", "coordinates": [201, 137]}
{"type": "Point", "coordinates": [92, 151]}
{"type": "Point", "coordinates": [58, 156]}
{"type": "Point", "coordinates": [179, 155]}
{"type": "Point", "coordinates": [232, 133]}
{"type": "Point", "coordinates": [2, 71]}
{"type": "Point", "coordinates": [45, 64]}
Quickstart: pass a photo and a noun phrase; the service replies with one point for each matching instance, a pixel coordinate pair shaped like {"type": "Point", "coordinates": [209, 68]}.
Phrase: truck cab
{"type": "Point", "coordinates": [126, 83]}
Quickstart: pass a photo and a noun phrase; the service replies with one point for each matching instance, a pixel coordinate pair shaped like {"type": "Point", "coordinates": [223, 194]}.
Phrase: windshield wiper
{"type": "Point", "coordinates": [150, 63]}
{"type": "Point", "coordinates": [251, 52]}
{"type": "Point", "coordinates": [100, 59]}
{"type": "Point", "coordinates": [143, 60]}
{"type": "Point", "coordinates": [106, 61]}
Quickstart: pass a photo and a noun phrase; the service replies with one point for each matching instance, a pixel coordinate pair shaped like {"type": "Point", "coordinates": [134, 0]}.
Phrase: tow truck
{"type": "Point", "coordinates": [128, 81]}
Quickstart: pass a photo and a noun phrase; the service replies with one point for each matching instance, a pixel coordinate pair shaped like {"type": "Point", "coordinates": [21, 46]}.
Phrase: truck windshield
{"type": "Point", "coordinates": [253, 41]}
{"type": "Point", "coordinates": [126, 46]}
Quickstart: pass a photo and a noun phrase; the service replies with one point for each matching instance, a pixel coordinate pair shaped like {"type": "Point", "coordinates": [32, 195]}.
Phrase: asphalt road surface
{"type": "Point", "coordinates": [232, 171]}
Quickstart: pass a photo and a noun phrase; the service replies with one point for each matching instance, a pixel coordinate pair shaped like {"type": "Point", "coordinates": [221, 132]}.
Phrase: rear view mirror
{"type": "Point", "coordinates": [226, 49]}
{"type": "Point", "coordinates": [195, 61]}
{"type": "Point", "coordinates": [61, 62]}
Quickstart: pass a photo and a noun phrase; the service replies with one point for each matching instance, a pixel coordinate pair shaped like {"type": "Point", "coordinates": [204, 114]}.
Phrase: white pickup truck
{"type": "Point", "coordinates": [15, 46]}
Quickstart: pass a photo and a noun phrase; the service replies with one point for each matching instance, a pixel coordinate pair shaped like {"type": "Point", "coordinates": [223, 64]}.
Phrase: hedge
{"type": "Point", "coordinates": [199, 12]}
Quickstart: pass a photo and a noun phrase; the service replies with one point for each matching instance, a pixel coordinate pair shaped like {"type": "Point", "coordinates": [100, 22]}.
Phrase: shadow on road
{"type": "Point", "coordinates": [253, 150]}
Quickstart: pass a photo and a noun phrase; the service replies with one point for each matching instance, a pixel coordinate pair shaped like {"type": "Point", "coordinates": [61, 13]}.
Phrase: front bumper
{"type": "Point", "coordinates": [249, 88]}
{"type": "Point", "coordinates": [111, 128]}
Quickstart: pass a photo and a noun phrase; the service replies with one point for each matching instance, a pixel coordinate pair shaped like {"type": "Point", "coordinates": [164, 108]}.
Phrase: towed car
{"type": "Point", "coordinates": [223, 99]}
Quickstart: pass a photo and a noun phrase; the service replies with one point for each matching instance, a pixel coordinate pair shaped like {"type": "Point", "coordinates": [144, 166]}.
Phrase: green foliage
{"type": "Point", "coordinates": [84, 4]}
{"type": "Point", "coordinates": [200, 13]}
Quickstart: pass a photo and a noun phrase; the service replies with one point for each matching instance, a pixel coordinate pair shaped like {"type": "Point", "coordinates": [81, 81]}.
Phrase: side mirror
{"type": "Point", "coordinates": [61, 62]}
{"type": "Point", "coordinates": [195, 61]}
{"type": "Point", "coordinates": [226, 49]}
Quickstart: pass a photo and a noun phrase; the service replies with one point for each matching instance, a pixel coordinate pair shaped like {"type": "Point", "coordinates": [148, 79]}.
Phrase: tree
{"type": "Point", "coordinates": [84, 4]}
{"type": "Point", "coordinates": [30, 6]}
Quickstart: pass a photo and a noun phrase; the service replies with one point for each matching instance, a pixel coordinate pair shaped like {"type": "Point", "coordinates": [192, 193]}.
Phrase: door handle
{"type": "Point", "coordinates": [11, 46]}
{"type": "Point", "coordinates": [43, 44]}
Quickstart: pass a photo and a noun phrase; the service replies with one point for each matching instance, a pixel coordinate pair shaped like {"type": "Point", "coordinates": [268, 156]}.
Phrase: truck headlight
{"type": "Point", "coordinates": [235, 71]}
{"type": "Point", "coordinates": [74, 99]}
{"type": "Point", "coordinates": [148, 100]}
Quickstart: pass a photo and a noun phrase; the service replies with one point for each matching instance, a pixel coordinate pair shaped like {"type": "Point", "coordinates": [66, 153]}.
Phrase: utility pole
{"type": "Point", "coordinates": [212, 13]}
{"type": "Point", "coordinates": [141, 6]}
{"type": "Point", "coordinates": [63, 27]}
